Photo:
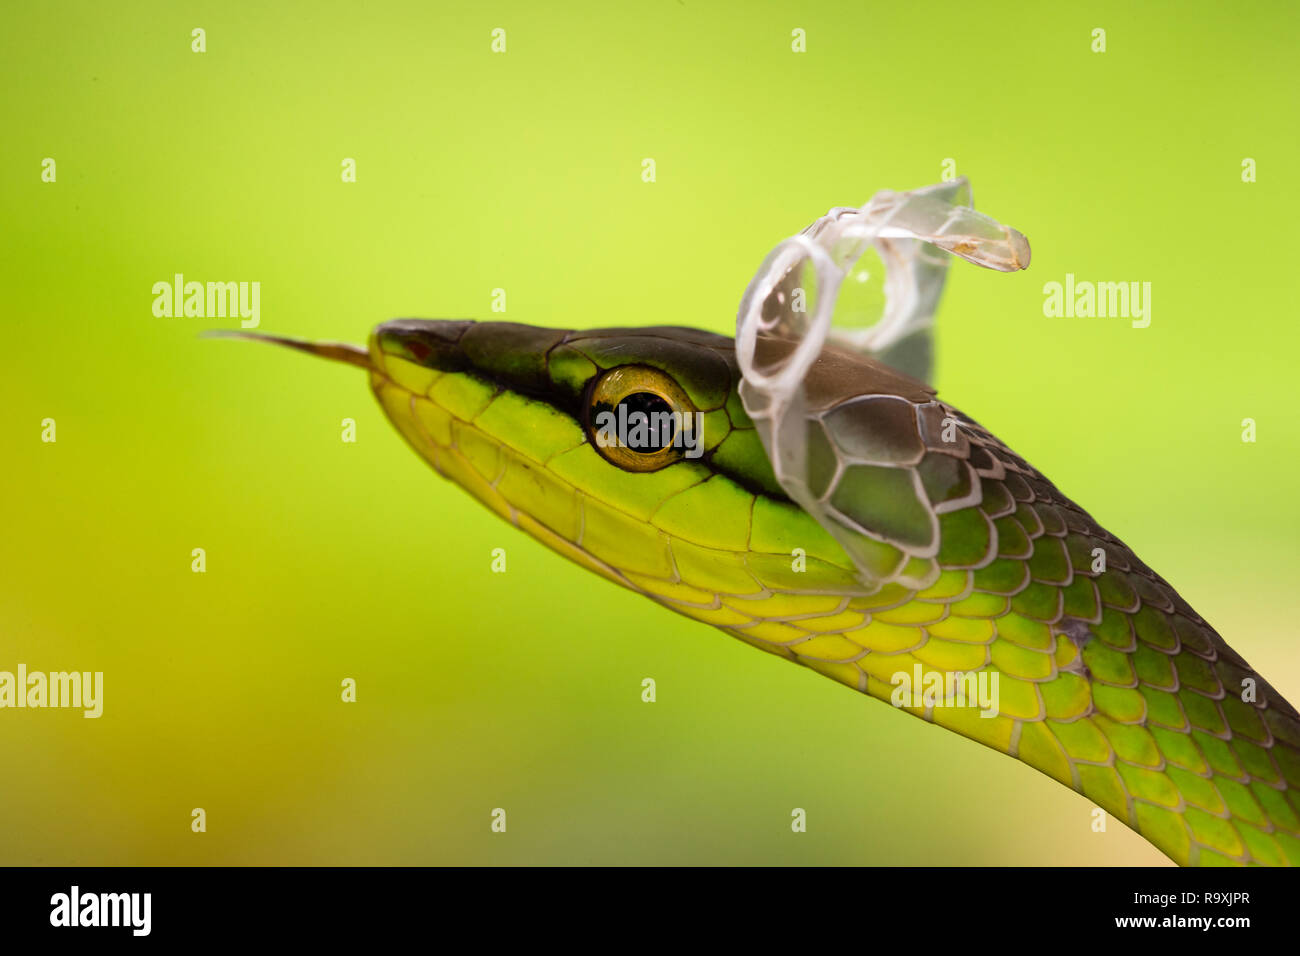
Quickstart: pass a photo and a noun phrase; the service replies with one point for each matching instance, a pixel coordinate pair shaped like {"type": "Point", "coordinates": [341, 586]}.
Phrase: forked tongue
{"type": "Point", "coordinates": [334, 351]}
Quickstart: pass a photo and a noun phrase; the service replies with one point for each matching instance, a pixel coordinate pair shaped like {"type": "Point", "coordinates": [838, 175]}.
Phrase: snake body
{"type": "Point", "coordinates": [1108, 681]}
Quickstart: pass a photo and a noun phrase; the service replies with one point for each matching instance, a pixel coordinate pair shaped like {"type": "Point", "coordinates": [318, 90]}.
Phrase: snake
{"type": "Point", "coordinates": [1107, 680]}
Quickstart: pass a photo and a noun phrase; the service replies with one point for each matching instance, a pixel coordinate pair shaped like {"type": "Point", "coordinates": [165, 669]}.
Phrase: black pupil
{"type": "Point", "coordinates": [649, 422]}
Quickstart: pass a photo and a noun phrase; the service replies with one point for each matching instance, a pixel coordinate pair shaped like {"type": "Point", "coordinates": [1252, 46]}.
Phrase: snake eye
{"type": "Point", "coordinates": [639, 419]}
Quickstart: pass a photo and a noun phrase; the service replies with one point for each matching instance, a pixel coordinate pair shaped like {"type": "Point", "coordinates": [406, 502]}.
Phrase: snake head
{"type": "Point", "coordinates": [539, 425]}
{"type": "Point", "coordinates": [542, 426]}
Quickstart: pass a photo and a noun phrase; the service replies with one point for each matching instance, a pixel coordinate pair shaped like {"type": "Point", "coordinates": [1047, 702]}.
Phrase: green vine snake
{"type": "Point", "coordinates": [839, 514]}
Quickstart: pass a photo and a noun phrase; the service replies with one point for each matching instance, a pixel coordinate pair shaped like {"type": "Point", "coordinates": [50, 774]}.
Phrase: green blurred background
{"type": "Point", "coordinates": [522, 171]}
